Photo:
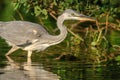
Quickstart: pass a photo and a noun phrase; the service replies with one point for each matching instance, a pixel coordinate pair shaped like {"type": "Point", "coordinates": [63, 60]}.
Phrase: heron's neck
{"type": "Point", "coordinates": [63, 31]}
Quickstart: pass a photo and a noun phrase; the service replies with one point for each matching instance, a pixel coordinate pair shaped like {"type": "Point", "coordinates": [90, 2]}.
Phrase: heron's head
{"type": "Point", "coordinates": [73, 15]}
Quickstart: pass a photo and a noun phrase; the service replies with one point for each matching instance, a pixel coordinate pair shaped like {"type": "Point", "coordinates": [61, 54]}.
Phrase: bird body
{"type": "Point", "coordinates": [31, 36]}
{"type": "Point", "coordinates": [22, 33]}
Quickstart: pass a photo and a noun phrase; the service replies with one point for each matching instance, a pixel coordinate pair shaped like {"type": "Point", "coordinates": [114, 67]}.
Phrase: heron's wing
{"type": "Point", "coordinates": [21, 33]}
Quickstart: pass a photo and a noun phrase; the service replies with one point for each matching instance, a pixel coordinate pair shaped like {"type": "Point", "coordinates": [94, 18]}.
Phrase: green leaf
{"type": "Point", "coordinates": [37, 10]}
{"type": "Point", "coordinates": [118, 58]}
{"type": "Point", "coordinates": [17, 5]}
{"type": "Point", "coordinates": [44, 11]}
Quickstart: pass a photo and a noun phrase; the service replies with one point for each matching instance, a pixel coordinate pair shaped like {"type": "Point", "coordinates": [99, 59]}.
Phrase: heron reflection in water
{"type": "Point", "coordinates": [26, 71]}
{"type": "Point", "coordinates": [33, 37]}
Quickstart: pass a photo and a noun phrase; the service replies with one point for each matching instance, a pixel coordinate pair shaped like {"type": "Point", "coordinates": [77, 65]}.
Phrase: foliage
{"type": "Point", "coordinates": [90, 37]}
{"type": "Point", "coordinates": [89, 7]}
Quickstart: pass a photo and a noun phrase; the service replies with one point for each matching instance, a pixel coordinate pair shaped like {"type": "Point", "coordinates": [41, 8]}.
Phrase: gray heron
{"type": "Point", "coordinates": [33, 37]}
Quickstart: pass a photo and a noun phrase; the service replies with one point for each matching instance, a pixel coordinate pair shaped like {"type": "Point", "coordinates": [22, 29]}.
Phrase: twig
{"type": "Point", "coordinates": [106, 23]}
{"type": "Point", "coordinates": [75, 35]}
{"type": "Point", "coordinates": [21, 17]}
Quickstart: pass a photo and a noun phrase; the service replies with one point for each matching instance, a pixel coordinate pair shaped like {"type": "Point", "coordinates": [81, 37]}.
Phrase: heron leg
{"type": "Point", "coordinates": [14, 48]}
{"type": "Point", "coordinates": [29, 54]}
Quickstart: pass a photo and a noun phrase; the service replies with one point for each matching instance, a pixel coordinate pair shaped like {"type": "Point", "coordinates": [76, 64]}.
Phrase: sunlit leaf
{"type": "Point", "coordinates": [118, 58]}
{"type": "Point", "coordinates": [44, 11]}
{"type": "Point", "coordinates": [37, 10]}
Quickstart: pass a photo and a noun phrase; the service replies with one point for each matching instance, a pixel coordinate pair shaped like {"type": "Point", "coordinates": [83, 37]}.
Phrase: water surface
{"type": "Point", "coordinates": [57, 70]}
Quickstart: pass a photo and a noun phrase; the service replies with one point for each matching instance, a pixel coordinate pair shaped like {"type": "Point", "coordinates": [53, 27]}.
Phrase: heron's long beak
{"type": "Point", "coordinates": [86, 18]}
{"type": "Point", "coordinates": [82, 17]}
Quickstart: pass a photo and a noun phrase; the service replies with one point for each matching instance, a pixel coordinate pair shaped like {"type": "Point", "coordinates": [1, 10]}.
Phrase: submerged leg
{"type": "Point", "coordinates": [29, 54]}
{"type": "Point", "coordinates": [14, 48]}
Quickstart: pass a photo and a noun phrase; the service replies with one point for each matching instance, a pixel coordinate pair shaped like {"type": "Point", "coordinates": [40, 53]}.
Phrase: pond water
{"type": "Point", "coordinates": [57, 70]}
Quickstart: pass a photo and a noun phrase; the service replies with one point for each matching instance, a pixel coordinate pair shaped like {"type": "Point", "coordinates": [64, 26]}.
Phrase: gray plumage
{"type": "Point", "coordinates": [31, 36]}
